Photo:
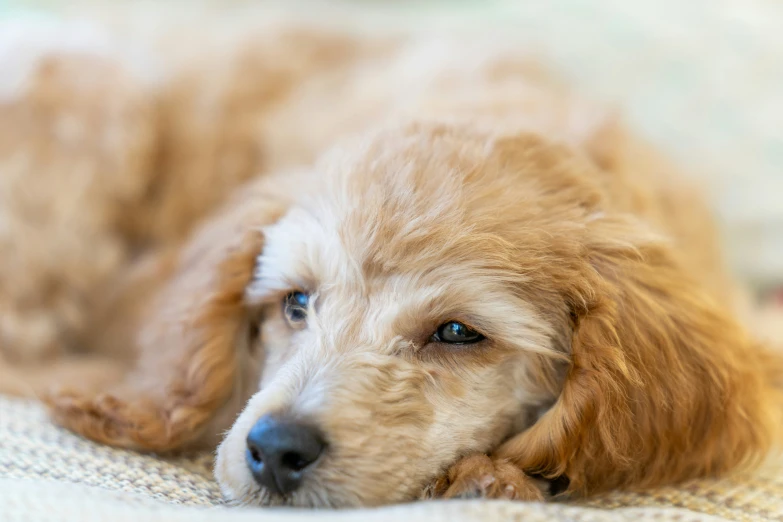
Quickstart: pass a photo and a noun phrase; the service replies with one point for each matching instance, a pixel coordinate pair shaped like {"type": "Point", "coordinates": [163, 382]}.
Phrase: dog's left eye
{"type": "Point", "coordinates": [295, 307]}
{"type": "Point", "coordinates": [455, 332]}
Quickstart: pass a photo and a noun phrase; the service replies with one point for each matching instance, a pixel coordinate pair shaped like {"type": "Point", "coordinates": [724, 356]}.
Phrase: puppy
{"type": "Point", "coordinates": [484, 283]}
{"type": "Point", "coordinates": [439, 293]}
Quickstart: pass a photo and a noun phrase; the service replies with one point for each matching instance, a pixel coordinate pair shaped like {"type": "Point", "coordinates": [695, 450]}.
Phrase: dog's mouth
{"type": "Point", "coordinates": [255, 495]}
{"type": "Point", "coordinates": [305, 498]}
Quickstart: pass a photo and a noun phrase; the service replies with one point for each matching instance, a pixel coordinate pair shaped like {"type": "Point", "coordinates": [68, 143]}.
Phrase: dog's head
{"type": "Point", "coordinates": [435, 292]}
{"type": "Point", "coordinates": [408, 315]}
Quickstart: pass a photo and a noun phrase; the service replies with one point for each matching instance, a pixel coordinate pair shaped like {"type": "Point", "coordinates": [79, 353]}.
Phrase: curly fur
{"type": "Point", "coordinates": [452, 185]}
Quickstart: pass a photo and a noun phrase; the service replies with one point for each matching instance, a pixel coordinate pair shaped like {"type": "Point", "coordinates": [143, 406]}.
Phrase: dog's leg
{"type": "Point", "coordinates": [479, 476]}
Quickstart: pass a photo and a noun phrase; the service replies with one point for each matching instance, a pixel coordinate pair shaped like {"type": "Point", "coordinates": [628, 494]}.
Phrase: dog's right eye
{"type": "Point", "coordinates": [454, 332]}
{"type": "Point", "coordinates": [295, 307]}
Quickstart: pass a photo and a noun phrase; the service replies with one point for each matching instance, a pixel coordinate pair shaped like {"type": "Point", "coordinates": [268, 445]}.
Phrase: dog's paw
{"type": "Point", "coordinates": [478, 476]}
{"type": "Point", "coordinates": [95, 416]}
{"type": "Point", "coordinates": [103, 417]}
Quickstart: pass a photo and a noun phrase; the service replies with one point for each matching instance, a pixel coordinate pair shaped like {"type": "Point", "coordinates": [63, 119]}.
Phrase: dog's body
{"type": "Point", "coordinates": [461, 187]}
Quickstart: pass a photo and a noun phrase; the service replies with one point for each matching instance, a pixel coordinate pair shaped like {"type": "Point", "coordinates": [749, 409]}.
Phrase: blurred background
{"type": "Point", "coordinates": [701, 78]}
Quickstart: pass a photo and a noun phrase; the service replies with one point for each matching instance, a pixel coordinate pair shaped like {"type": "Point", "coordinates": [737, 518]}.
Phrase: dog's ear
{"type": "Point", "coordinates": [183, 390]}
{"type": "Point", "coordinates": [663, 385]}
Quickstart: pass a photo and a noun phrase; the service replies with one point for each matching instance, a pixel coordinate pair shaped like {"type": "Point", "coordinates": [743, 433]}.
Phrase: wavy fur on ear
{"type": "Point", "coordinates": [663, 386]}
{"type": "Point", "coordinates": [187, 385]}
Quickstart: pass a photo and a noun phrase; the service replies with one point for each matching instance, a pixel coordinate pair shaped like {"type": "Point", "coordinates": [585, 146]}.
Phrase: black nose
{"type": "Point", "coordinates": [280, 451]}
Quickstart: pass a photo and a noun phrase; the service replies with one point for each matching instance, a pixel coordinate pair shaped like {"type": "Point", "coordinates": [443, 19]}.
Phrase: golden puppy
{"type": "Point", "coordinates": [441, 292]}
{"type": "Point", "coordinates": [498, 288]}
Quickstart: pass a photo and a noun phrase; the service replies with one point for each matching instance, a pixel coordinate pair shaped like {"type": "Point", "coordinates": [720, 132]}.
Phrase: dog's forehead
{"type": "Point", "coordinates": [404, 206]}
{"type": "Point", "coordinates": [417, 206]}
{"type": "Point", "coordinates": [397, 225]}
{"type": "Point", "coordinates": [342, 244]}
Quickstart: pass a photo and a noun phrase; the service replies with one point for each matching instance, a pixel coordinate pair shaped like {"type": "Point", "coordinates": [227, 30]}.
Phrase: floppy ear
{"type": "Point", "coordinates": [187, 385]}
{"type": "Point", "coordinates": [663, 384]}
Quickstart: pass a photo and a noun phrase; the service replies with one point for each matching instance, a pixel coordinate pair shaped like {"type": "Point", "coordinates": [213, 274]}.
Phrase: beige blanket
{"type": "Point", "coordinates": [48, 474]}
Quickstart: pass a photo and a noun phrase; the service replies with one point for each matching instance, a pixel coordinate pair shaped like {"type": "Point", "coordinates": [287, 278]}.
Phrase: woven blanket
{"type": "Point", "coordinates": [48, 474]}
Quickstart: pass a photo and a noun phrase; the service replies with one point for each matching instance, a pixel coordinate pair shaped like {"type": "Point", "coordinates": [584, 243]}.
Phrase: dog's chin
{"type": "Point", "coordinates": [304, 499]}
{"type": "Point", "coordinates": [256, 498]}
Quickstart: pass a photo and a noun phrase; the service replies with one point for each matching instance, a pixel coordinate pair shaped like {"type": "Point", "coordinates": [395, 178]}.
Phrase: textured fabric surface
{"type": "Point", "coordinates": [47, 474]}
{"type": "Point", "coordinates": [61, 502]}
{"type": "Point", "coordinates": [32, 448]}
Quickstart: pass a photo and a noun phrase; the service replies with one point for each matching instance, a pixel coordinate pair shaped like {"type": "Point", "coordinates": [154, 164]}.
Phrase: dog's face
{"type": "Point", "coordinates": [408, 314]}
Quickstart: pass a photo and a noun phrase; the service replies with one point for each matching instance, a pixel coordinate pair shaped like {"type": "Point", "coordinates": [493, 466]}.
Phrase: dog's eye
{"type": "Point", "coordinates": [295, 307]}
{"type": "Point", "coordinates": [455, 332]}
